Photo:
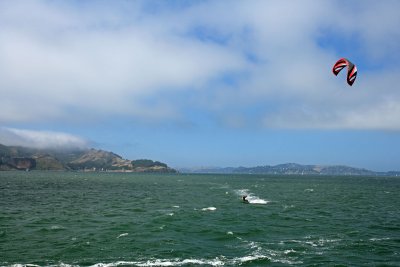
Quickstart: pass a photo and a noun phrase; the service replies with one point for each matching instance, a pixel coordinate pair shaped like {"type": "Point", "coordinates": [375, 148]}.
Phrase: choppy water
{"type": "Point", "coordinates": [99, 219]}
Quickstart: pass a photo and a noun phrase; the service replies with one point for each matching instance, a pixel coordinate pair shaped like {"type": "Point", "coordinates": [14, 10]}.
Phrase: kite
{"type": "Point", "coordinates": [351, 69]}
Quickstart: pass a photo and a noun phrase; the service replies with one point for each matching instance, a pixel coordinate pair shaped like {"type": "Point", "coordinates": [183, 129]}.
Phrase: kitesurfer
{"type": "Point", "coordinates": [244, 199]}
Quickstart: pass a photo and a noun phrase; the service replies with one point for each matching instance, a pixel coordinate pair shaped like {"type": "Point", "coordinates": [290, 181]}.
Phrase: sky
{"type": "Point", "coordinates": [204, 83]}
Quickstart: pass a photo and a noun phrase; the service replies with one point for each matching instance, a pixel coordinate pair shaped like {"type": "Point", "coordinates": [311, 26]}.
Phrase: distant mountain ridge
{"type": "Point", "coordinates": [23, 158]}
{"type": "Point", "coordinates": [294, 169]}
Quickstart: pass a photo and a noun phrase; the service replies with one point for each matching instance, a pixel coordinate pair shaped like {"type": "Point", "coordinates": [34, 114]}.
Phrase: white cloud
{"type": "Point", "coordinates": [101, 59]}
{"type": "Point", "coordinates": [40, 139]}
{"type": "Point", "coordinates": [295, 80]}
{"type": "Point", "coordinates": [50, 63]}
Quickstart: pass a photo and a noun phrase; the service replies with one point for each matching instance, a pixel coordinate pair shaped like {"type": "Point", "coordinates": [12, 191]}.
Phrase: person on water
{"type": "Point", "coordinates": [244, 199]}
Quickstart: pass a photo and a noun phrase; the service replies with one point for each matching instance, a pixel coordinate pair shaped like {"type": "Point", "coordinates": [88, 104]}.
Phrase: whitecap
{"type": "Point", "coordinates": [179, 262]}
{"type": "Point", "coordinates": [252, 258]}
{"type": "Point", "coordinates": [254, 245]}
{"type": "Point", "coordinates": [121, 235]}
{"type": "Point", "coordinates": [215, 262]}
{"type": "Point", "coordinates": [259, 253]}
{"type": "Point", "coordinates": [57, 227]}
{"type": "Point", "coordinates": [209, 209]}
{"type": "Point", "coordinates": [288, 251]}
{"type": "Point", "coordinates": [285, 207]}
{"type": "Point", "coordinates": [379, 239]}
{"type": "Point", "coordinates": [113, 264]}
{"type": "Point", "coordinates": [257, 201]}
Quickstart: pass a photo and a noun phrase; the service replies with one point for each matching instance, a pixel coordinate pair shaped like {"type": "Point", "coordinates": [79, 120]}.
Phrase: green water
{"type": "Point", "coordinates": [101, 219]}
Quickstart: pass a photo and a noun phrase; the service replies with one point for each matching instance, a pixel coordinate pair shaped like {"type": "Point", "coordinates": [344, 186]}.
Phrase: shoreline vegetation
{"type": "Point", "coordinates": [93, 160]}
{"type": "Point", "coordinates": [294, 169]}
{"type": "Point", "coordinates": [85, 160]}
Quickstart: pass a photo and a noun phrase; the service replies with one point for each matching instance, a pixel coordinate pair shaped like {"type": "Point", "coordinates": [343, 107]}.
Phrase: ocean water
{"type": "Point", "coordinates": [120, 219]}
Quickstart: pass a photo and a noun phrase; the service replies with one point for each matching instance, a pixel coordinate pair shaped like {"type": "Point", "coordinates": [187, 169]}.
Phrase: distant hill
{"type": "Point", "coordinates": [22, 158]}
{"type": "Point", "coordinates": [293, 169]}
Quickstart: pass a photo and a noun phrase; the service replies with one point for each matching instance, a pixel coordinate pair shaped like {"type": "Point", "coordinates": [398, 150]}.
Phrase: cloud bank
{"type": "Point", "coordinates": [244, 63]}
{"type": "Point", "coordinates": [40, 139]}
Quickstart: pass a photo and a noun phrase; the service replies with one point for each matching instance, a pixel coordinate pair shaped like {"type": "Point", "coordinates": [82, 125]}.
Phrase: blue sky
{"type": "Point", "coordinates": [204, 83]}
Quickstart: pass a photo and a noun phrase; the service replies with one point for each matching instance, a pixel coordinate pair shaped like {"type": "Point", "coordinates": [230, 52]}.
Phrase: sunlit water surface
{"type": "Point", "coordinates": [105, 219]}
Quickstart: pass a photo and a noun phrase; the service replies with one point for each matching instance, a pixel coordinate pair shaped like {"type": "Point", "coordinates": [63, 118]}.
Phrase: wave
{"type": "Point", "coordinates": [258, 258]}
{"type": "Point", "coordinates": [57, 227]}
{"type": "Point", "coordinates": [122, 235]}
{"type": "Point", "coordinates": [379, 239]}
{"type": "Point", "coordinates": [209, 209]}
{"type": "Point", "coordinates": [256, 254]}
{"type": "Point", "coordinates": [148, 263]}
{"type": "Point", "coordinates": [313, 242]}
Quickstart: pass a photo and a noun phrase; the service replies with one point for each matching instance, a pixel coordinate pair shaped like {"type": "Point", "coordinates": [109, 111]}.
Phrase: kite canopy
{"type": "Point", "coordinates": [351, 69]}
